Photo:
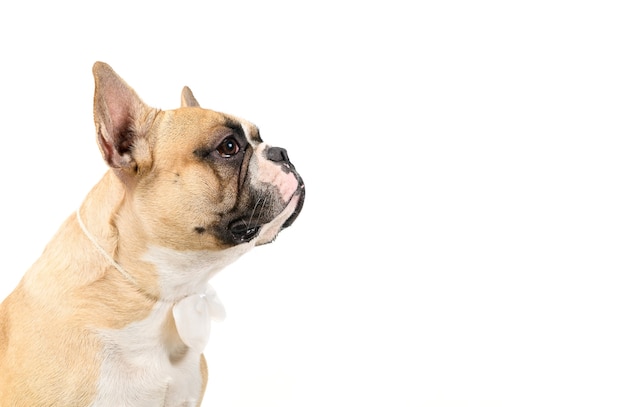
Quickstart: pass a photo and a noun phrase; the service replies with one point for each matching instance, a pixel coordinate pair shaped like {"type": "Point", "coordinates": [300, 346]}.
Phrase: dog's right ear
{"type": "Point", "coordinates": [122, 121]}
{"type": "Point", "coordinates": [187, 99]}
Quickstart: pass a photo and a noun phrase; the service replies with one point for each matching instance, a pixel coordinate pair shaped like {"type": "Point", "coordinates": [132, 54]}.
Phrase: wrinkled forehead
{"type": "Point", "coordinates": [249, 130]}
{"type": "Point", "coordinates": [206, 126]}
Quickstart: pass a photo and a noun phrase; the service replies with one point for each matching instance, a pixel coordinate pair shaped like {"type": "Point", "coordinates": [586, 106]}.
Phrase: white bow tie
{"type": "Point", "coordinates": [193, 315]}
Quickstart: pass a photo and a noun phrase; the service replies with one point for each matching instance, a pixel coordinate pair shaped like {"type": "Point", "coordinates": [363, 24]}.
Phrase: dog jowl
{"type": "Point", "coordinates": [116, 310]}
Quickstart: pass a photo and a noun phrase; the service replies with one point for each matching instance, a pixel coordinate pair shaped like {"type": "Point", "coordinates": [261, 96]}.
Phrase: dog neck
{"type": "Point", "coordinates": [104, 253]}
{"type": "Point", "coordinates": [192, 314]}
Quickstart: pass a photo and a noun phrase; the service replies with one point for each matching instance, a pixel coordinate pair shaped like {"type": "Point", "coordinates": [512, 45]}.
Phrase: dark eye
{"type": "Point", "coordinates": [228, 148]}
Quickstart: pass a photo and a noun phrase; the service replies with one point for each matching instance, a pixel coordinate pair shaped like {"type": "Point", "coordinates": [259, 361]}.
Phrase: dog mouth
{"type": "Point", "coordinates": [299, 195]}
{"type": "Point", "coordinates": [242, 231]}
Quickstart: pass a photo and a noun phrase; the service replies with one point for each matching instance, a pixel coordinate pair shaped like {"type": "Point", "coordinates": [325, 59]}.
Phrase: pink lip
{"type": "Point", "coordinates": [287, 186]}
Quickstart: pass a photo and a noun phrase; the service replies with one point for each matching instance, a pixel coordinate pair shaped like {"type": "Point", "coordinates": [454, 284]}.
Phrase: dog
{"type": "Point", "coordinates": [116, 311]}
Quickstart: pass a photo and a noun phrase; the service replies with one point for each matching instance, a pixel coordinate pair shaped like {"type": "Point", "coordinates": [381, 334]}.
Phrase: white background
{"type": "Point", "coordinates": [462, 241]}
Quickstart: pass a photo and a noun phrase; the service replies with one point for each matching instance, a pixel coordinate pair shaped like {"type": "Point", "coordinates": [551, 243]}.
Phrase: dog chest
{"type": "Point", "coordinates": [142, 367]}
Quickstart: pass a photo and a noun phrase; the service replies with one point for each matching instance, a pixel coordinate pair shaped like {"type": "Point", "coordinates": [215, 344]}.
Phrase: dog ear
{"type": "Point", "coordinates": [187, 99]}
{"type": "Point", "coordinates": [122, 120]}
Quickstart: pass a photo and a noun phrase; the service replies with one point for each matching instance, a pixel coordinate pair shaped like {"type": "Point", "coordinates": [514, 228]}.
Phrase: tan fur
{"type": "Point", "coordinates": [155, 191]}
{"type": "Point", "coordinates": [43, 335]}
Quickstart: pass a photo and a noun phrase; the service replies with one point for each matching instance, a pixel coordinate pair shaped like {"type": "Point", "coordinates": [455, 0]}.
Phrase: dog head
{"type": "Point", "coordinates": [197, 179]}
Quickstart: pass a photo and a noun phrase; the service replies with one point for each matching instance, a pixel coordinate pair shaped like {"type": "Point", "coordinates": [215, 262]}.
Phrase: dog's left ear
{"type": "Point", "coordinates": [187, 99]}
{"type": "Point", "coordinates": [122, 122]}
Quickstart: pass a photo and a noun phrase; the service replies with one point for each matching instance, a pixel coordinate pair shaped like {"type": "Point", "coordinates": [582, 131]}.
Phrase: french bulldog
{"type": "Point", "coordinates": [117, 309]}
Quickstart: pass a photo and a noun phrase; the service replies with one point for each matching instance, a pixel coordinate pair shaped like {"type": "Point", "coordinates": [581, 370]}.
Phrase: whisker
{"type": "Point", "coordinates": [263, 205]}
{"type": "Point", "coordinates": [252, 214]}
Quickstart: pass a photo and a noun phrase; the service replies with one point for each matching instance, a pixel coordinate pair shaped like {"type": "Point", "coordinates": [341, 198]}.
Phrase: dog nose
{"type": "Point", "coordinates": [277, 154]}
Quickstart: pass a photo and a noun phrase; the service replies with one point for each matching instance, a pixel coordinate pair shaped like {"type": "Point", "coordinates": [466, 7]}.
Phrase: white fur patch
{"type": "Point", "coordinates": [183, 273]}
{"type": "Point", "coordinates": [136, 369]}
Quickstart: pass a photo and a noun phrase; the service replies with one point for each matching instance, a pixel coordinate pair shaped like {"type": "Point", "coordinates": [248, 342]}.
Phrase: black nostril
{"type": "Point", "coordinates": [277, 154]}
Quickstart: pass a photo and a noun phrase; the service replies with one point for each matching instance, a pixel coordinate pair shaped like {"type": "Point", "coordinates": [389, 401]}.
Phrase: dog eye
{"type": "Point", "coordinates": [228, 148]}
